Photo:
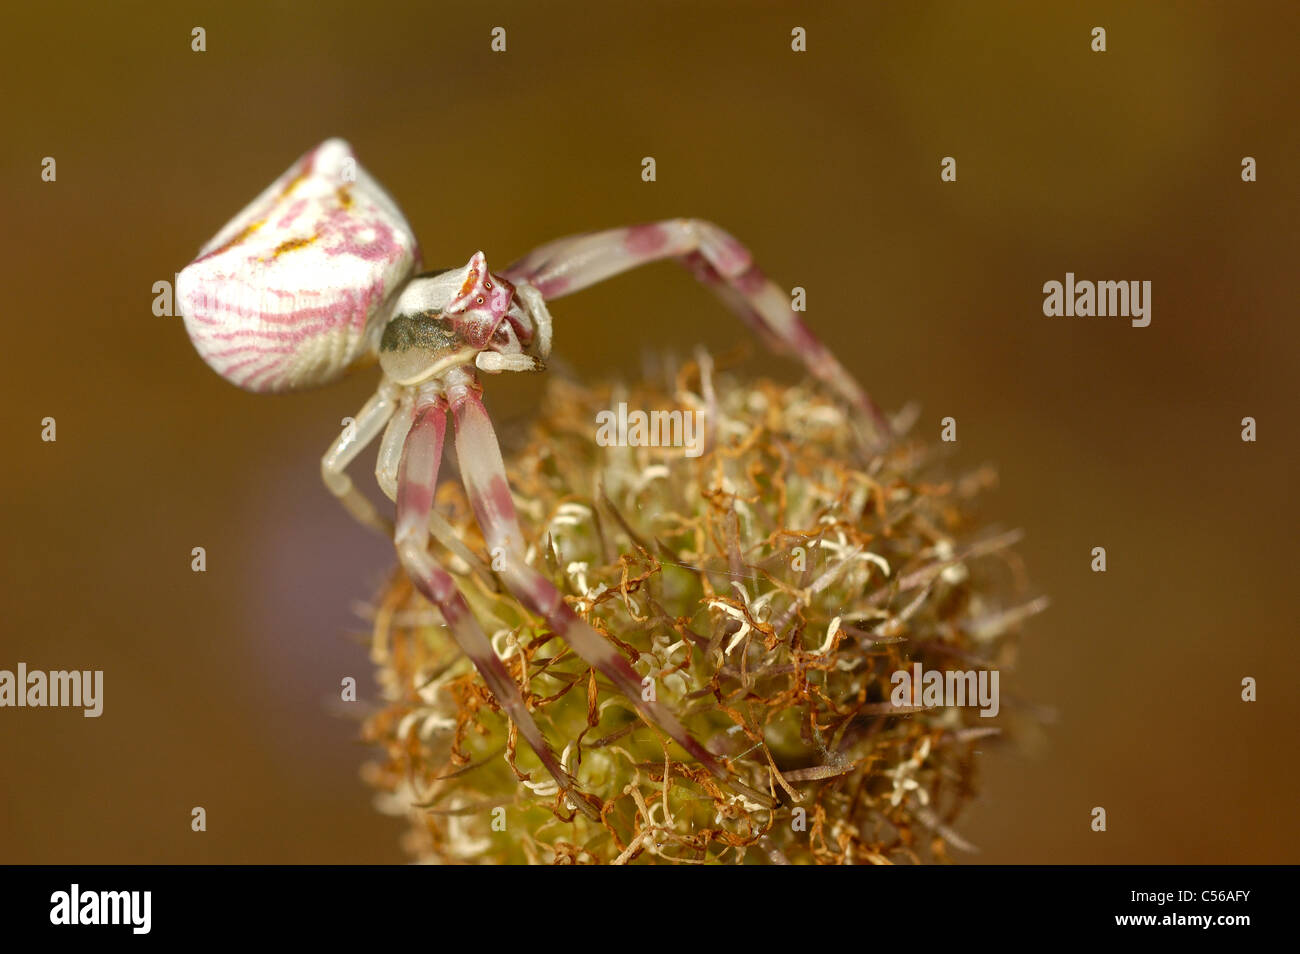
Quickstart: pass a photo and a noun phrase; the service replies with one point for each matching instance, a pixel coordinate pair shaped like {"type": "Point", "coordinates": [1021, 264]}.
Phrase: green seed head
{"type": "Point", "coordinates": [770, 589]}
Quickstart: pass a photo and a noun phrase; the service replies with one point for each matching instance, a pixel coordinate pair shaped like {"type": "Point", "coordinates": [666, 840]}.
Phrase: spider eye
{"type": "Point", "coordinates": [487, 285]}
{"type": "Point", "coordinates": [478, 300]}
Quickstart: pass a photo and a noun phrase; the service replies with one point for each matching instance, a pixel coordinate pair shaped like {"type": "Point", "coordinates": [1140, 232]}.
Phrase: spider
{"type": "Point", "coordinates": [319, 274]}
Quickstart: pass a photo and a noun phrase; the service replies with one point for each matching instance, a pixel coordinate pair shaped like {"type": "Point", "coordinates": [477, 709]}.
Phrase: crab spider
{"type": "Point", "coordinates": [320, 274]}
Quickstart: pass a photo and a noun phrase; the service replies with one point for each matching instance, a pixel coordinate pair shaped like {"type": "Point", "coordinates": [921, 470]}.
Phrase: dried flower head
{"type": "Point", "coordinates": [771, 590]}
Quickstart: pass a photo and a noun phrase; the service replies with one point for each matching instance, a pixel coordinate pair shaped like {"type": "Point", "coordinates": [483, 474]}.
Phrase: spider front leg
{"type": "Point", "coordinates": [365, 427]}
{"type": "Point", "coordinates": [417, 479]}
{"type": "Point", "coordinates": [386, 467]}
{"type": "Point", "coordinates": [569, 264]}
{"type": "Point", "coordinates": [386, 407]}
{"type": "Point", "coordinates": [483, 471]}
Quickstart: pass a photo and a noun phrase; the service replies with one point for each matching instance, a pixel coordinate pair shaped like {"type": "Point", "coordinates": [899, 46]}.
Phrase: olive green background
{"type": "Point", "coordinates": [221, 688]}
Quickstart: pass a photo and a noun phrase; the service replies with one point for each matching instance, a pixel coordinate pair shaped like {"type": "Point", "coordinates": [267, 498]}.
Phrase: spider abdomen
{"type": "Point", "coordinates": [294, 290]}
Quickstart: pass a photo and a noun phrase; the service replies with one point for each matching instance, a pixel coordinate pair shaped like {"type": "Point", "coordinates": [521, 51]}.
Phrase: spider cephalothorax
{"type": "Point", "coordinates": [316, 276]}
{"type": "Point", "coordinates": [482, 302]}
{"type": "Point", "coordinates": [468, 315]}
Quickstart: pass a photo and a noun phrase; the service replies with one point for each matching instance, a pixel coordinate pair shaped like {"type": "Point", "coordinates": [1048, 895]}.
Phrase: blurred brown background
{"type": "Point", "coordinates": [1121, 165]}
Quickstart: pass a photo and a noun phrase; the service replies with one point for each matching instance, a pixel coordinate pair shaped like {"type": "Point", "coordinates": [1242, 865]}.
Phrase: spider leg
{"type": "Point", "coordinates": [390, 456]}
{"type": "Point", "coordinates": [483, 471]}
{"type": "Point", "coordinates": [569, 264]}
{"type": "Point", "coordinates": [370, 420]}
{"type": "Point", "coordinates": [417, 479]}
{"type": "Point", "coordinates": [390, 448]}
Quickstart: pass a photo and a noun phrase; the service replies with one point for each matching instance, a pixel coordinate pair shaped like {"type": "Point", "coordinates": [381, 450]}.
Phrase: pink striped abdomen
{"type": "Point", "coordinates": [294, 290]}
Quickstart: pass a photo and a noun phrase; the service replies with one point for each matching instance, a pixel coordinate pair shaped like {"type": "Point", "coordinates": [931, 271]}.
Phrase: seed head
{"type": "Point", "coordinates": [770, 590]}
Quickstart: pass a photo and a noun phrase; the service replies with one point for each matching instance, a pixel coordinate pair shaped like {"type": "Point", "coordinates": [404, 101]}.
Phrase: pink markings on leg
{"type": "Point", "coordinates": [498, 498]}
{"type": "Point", "coordinates": [417, 477]}
{"type": "Point", "coordinates": [717, 259]}
{"type": "Point", "coordinates": [554, 287]}
{"type": "Point", "coordinates": [751, 281]}
{"type": "Point", "coordinates": [418, 471]}
{"type": "Point", "coordinates": [695, 263]}
{"type": "Point", "coordinates": [489, 493]}
{"type": "Point", "coordinates": [728, 256]}
{"type": "Point", "coordinates": [484, 471]}
{"type": "Point", "coordinates": [645, 240]}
